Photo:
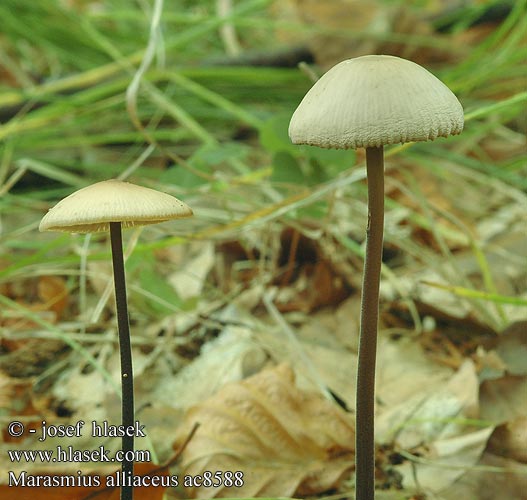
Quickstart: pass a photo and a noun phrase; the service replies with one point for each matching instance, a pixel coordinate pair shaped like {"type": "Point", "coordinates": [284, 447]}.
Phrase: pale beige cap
{"type": "Point", "coordinates": [91, 209]}
{"type": "Point", "coordinates": [375, 100]}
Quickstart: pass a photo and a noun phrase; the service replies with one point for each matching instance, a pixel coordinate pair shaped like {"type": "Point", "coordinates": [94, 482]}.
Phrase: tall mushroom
{"type": "Point", "coordinates": [108, 206]}
{"type": "Point", "coordinates": [368, 102]}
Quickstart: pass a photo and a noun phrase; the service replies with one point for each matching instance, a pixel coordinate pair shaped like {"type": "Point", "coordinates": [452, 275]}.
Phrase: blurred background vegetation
{"type": "Point", "coordinates": [194, 98]}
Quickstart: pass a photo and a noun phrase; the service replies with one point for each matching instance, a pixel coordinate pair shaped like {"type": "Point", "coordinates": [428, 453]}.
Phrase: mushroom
{"type": "Point", "coordinates": [368, 102]}
{"type": "Point", "coordinates": [108, 206]}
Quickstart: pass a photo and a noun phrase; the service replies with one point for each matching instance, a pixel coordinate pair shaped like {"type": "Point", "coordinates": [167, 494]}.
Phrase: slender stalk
{"type": "Point", "coordinates": [125, 348]}
{"type": "Point", "coordinates": [364, 428]}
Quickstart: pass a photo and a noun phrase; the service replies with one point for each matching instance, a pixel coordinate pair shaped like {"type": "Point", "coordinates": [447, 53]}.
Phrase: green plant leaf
{"type": "Point", "coordinates": [143, 270]}
{"type": "Point", "coordinates": [274, 135]}
{"type": "Point", "coordinates": [286, 169]}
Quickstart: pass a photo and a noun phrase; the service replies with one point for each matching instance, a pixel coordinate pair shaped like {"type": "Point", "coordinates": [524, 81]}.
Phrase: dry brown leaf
{"type": "Point", "coordinates": [439, 201]}
{"type": "Point", "coordinates": [189, 279]}
{"type": "Point", "coordinates": [436, 423]}
{"type": "Point", "coordinates": [16, 398]}
{"type": "Point", "coordinates": [32, 357]}
{"type": "Point", "coordinates": [233, 355]}
{"type": "Point", "coordinates": [510, 440]}
{"type": "Point", "coordinates": [430, 409]}
{"type": "Point", "coordinates": [338, 28]}
{"type": "Point", "coordinates": [512, 348]}
{"type": "Point", "coordinates": [284, 441]}
{"type": "Point", "coordinates": [478, 483]}
{"type": "Point", "coordinates": [46, 295]}
{"type": "Point", "coordinates": [503, 399]}
{"type": "Point", "coordinates": [308, 278]}
{"type": "Point", "coordinates": [53, 294]}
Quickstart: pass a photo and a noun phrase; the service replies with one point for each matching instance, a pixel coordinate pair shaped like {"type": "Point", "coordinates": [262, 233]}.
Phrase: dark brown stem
{"type": "Point", "coordinates": [125, 348]}
{"type": "Point", "coordinates": [364, 441]}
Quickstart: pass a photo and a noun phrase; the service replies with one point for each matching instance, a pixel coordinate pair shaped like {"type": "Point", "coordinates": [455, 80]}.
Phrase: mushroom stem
{"type": "Point", "coordinates": [364, 446]}
{"type": "Point", "coordinates": [125, 348]}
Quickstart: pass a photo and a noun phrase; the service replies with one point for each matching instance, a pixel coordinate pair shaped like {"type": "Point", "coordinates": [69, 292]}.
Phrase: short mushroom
{"type": "Point", "coordinates": [108, 206]}
{"type": "Point", "coordinates": [368, 102]}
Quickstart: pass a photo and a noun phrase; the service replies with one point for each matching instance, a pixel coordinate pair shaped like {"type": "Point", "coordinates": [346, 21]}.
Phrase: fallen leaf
{"type": "Point", "coordinates": [503, 399]}
{"type": "Point", "coordinates": [32, 357]}
{"type": "Point", "coordinates": [230, 357]}
{"type": "Point", "coordinates": [46, 295]}
{"type": "Point", "coordinates": [512, 348]}
{"type": "Point", "coordinates": [436, 423]}
{"type": "Point", "coordinates": [447, 460]}
{"type": "Point", "coordinates": [16, 398]}
{"type": "Point", "coordinates": [506, 479]}
{"type": "Point", "coordinates": [281, 440]}
{"type": "Point", "coordinates": [405, 376]}
{"type": "Point", "coordinates": [53, 294]}
{"type": "Point", "coordinates": [190, 279]}
{"type": "Point", "coordinates": [510, 440]}
{"type": "Point", "coordinates": [335, 26]}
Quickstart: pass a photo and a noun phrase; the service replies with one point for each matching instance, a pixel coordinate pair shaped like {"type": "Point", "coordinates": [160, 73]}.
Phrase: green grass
{"type": "Point", "coordinates": [66, 122]}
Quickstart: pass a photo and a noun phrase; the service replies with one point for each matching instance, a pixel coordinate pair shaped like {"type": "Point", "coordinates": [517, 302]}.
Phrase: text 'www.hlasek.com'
{"type": "Point", "coordinates": [68, 453]}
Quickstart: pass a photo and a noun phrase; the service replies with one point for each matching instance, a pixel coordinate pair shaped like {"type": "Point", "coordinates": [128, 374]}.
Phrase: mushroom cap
{"type": "Point", "coordinates": [91, 209]}
{"type": "Point", "coordinates": [375, 100]}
